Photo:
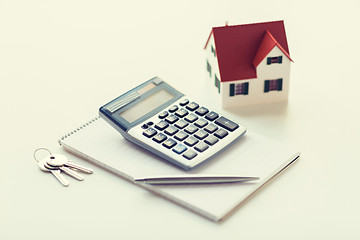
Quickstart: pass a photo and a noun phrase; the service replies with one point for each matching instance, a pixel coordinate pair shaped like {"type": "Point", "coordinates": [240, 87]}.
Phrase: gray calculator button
{"type": "Point", "coordinates": [181, 135]}
{"type": "Point", "coordinates": [191, 141]}
{"type": "Point", "coordinates": [226, 123]}
{"type": "Point", "coordinates": [179, 148]}
{"type": "Point", "coordinates": [161, 125]}
{"type": "Point", "coordinates": [201, 146]}
{"type": "Point", "coordinates": [181, 124]}
{"type": "Point", "coordinates": [202, 111]}
{"type": "Point", "coordinates": [211, 128]}
{"type": "Point", "coordinates": [189, 154]}
{"type": "Point", "coordinates": [221, 133]}
{"type": "Point", "coordinates": [212, 116]}
{"type": "Point", "coordinates": [163, 114]}
{"type": "Point", "coordinates": [181, 113]}
{"type": "Point", "coordinates": [191, 118]}
{"type": "Point", "coordinates": [171, 119]}
{"type": "Point", "coordinates": [173, 108]}
{"type": "Point", "coordinates": [160, 137]}
{"type": "Point", "coordinates": [169, 143]}
{"type": "Point", "coordinates": [211, 140]}
{"type": "Point", "coordinates": [149, 132]}
{"type": "Point", "coordinates": [192, 106]}
{"type": "Point", "coordinates": [171, 130]}
{"type": "Point", "coordinates": [184, 102]}
{"type": "Point", "coordinates": [201, 123]}
{"type": "Point", "coordinates": [191, 129]}
{"type": "Point", "coordinates": [201, 134]}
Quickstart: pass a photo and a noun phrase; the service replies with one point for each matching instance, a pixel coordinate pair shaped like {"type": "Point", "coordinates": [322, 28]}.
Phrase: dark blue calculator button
{"type": "Point", "coordinates": [179, 148]}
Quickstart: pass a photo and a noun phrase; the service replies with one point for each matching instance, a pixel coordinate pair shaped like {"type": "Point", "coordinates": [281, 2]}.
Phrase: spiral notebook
{"type": "Point", "coordinates": [252, 155]}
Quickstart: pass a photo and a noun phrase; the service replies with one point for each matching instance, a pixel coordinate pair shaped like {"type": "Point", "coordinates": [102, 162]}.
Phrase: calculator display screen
{"type": "Point", "coordinates": [147, 105]}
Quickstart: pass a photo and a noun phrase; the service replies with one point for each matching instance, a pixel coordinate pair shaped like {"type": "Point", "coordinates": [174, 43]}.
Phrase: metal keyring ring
{"type": "Point", "coordinates": [41, 149]}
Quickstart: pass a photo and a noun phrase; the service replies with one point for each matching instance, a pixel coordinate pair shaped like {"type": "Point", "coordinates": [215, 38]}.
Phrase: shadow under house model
{"type": "Point", "coordinates": [249, 64]}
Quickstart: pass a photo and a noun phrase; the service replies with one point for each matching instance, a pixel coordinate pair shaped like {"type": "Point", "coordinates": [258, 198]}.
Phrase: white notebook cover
{"type": "Point", "coordinates": [252, 155]}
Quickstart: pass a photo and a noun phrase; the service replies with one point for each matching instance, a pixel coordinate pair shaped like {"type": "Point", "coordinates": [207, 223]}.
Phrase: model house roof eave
{"type": "Point", "coordinates": [267, 44]}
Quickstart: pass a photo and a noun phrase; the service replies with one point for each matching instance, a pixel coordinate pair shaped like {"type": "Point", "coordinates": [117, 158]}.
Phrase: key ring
{"type": "Point", "coordinates": [41, 149]}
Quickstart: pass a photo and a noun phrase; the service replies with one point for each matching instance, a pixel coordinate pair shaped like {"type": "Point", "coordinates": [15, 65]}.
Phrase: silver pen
{"type": "Point", "coordinates": [193, 179]}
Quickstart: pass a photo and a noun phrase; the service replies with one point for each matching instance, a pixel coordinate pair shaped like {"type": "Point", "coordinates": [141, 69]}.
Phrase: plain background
{"type": "Point", "coordinates": [61, 60]}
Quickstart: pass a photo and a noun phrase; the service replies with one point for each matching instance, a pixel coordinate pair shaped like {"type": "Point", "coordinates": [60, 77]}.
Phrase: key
{"type": "Point", "coordinates": [58, 160]}
{"type": "Point", "coordinates": [67, 170]}
{"type": "Point", "coordinates": [55, 173]}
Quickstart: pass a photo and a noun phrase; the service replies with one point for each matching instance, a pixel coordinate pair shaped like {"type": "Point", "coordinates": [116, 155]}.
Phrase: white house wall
{"type": "Point", "coordinates": [256, 94]}
{"type": "Point", "coordinates": [214, 68]}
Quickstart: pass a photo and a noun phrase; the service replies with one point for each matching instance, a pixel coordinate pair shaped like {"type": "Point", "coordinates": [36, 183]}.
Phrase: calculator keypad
{"type": "Point", "coordinates": [189, 129]}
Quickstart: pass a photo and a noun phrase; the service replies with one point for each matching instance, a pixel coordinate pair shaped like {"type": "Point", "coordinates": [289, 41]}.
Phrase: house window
{"type": "Point", "coordinates": [273, 85]}
{"type": "Point", "coordinates": [213, 50]}
{"type": "Point", "coordinates": [217, 83]}
{"type": "Point", "coordinates": [239, 89]}
{"type": "Point", "coordinates": [272, 60]}
{"type": "Point", "coordinates": [208, 66]}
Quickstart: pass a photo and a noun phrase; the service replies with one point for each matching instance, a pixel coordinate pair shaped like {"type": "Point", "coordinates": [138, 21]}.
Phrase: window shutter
{"type": "Point", "coordinates": [232, 90]}
{"type": "Point", "coordinates": [280, 59]}
{"type": "Point", "coordinates": [246, 88]}
{"type": "Point", "coordinates": [268, 60]}
{"type": "Point", "coordinates": [280, 82]}
{"type": "Point", "coordinates": [267, 86]}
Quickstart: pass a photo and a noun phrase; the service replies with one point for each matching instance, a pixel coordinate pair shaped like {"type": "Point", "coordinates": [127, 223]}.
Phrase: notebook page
{"type": "Point", "coordinates": [252, 155]}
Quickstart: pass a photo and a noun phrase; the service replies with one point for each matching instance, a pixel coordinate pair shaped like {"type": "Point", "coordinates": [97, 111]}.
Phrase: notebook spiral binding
{"type": "Point", "coordinates": [77, 129]}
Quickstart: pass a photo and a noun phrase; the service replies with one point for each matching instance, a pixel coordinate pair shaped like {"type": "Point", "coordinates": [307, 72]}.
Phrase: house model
{"type": "Point", "coordinates": [249, 64]}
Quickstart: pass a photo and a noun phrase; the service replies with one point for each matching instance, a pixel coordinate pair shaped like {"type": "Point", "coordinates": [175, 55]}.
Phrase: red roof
{"type": "Point", "coordinates": [239, 49]}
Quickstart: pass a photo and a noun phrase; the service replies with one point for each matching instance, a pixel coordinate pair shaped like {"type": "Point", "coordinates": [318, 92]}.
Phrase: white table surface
{"type": "Point", "coordinates": [61, 60]}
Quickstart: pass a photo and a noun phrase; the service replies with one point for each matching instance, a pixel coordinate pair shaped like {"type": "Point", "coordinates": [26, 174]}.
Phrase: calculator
{"type": "Point", "coordinates": [181, 130]}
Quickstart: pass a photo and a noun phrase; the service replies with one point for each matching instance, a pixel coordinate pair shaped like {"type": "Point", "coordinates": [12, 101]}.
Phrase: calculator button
{"type": "Point", "coordinates": [181, 113]}
{"type": "Point", "coordinates": [173, 108]}
{"type": "Point", "coordinates": [192, 106]}
{"type": "Point", "coordinates": [171, 130]}
{"type": "Point", "coordinates": [150, 123]}
{"type": "Point", "coordinates": [226, 123]}
{"type": "Point", "coordinates": [144, 126]}
{"type": "Point", "coordinates": [184, 102]}
{"type": "Point", "coordinates": [202, 111]}
{"type": "Point", "coordinates": [201, 134]}
{"type": "Point", "coordinates": [160, 137]}
{"type": "Point", "coordinates": [179, 148]}
{"type": "Point", "coordinates": [211, 140]}
{"type": "Point", "coordinates": [181, 135]}
{"type": "Point", "coordinates": [171, 119]}
{"type": "Point", "coordinates": [191, 129]}
{"type": "Point", "coordinates": [221, 133]}
{"type": "Point", "coordinates": [163, 114]}
{"type": "Point", "coordinates": [161, 125]}
{"type": "Point", "coordinates": [189, 154]}
{"type": "Point", "coordinates": [201, 123]}
{"type": "Point", "coordinates": [191, 141]}
{"type": "Point", "coordinates": [212, 116]}
{"type": "Point", "coordinates": [169, 143]}
{"type": "Point", "coordinates": [191, 118]}
{"type": "Point", "coordinates": [201, 146]}
{"type": "Point", "coordinates": [211, 128]}
{"type": "Point", "coordinates": [181, 124]}
{"type": "Point", "coordinates": [149, 132]}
